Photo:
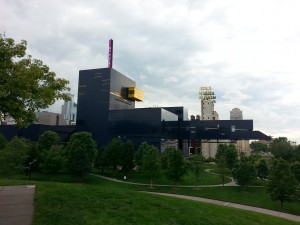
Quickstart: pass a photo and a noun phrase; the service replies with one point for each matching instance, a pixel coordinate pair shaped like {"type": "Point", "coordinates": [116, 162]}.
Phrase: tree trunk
{"type": "Point", "coordinates": [281, 204]}
{"type": "Point", "coordinates": [151, 183]}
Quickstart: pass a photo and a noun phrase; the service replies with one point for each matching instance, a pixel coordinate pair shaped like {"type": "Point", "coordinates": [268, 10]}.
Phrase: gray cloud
{"type": "Point", "coordinates": [172, 48]}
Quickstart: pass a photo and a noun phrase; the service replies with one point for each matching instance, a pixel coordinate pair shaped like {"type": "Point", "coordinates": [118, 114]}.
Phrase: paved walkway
{"type": "Point", "coordinates": [234, 205]}
{"type": "Point", "coordinates": [16, 205]}
{"type": "Point", "coordinates": [231, 183]}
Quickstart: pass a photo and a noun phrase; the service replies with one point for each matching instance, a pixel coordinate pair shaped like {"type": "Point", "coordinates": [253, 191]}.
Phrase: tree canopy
{"type": "Point", "coordinates": [282, 184]}
{"type": "Point", "coordinates": [259, 147]}
{"type": "Point", "coordinates": [151, 164]}
{"type": "Point", "coordinates": [281, 148]}
{"type": "Point", "coordinates": [244, 171]}
{"type": "Point", "coordinates": [81, 151]}
{"type": "Point", "coordinates": [14, 156]}
{"type": "Point", "coordinates": [176, 165]}
{"type": "Point", "coordinates": [26, 84]}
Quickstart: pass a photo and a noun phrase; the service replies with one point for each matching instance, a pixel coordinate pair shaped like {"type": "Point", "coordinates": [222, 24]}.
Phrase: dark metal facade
{"type": "Point", "coordinates": [105, 110]}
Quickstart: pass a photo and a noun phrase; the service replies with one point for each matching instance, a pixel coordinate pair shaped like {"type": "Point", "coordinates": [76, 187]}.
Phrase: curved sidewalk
{"type": "Point", "coordinates": [233, 205]}
{"type": "Point", "coordinates": [231, 183]}
{"type": "Point", "coordinates": [16, 205]}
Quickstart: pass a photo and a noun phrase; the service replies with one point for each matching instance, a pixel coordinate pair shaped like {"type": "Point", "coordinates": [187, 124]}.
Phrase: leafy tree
{"type": "Point", "coordinates": [47, 140]}
{"type": "Point", "coordinates": [281, 148]}
{"type": "Point", "coordinates": [127, 157]}
{"type": "Point", "coordinates": [151, 164]}
{"type": "Point", "coordinates": [296, 153]}
{"type": "Point", "coordinates": [165, 158]}
{"type": "Point", "coordinates": [100, 161]}
{"type": "Point", "coordinates": [26, 84]}
{"type": "Point", "coordinates": [54, 159]}
{"type": "Point", "coordinates": [231, 156]}
{"type": "Point", "coordinates": [244, 171]}
{"type": "Point", "coordinates": [176, 165]}
{"type": "Point", "coordinates": [226, 158]}
{"type": "Point", "coordinates": [81, 152]}
{"type": "Point", "coordinates": [295, 167]}
{"type": "Point", "coordinates": [14, 156]}
{"type": "Point", "coordinates": [3, 142]}
{"type": "Point", "coordinates": [222, 169]}
{"type": "Point", "coordinates": [262, 169]}
{"type": "Point", "coordinates": [259, 147]}
{"type": "Point", "coordinates": [112, 153]}
{"type": "Point", "coordinates": [282, 184]}
{"type": "Point", "coordinates": [197, 162]}
{"type": "Point", "coordinates": [138, 157]}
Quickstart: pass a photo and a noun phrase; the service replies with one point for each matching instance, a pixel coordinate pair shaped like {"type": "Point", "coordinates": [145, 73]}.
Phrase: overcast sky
{"type": "Point", "coordinates": [247, 51]}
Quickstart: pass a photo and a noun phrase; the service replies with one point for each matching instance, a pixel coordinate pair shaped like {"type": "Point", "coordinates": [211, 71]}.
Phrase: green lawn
{"type": "Point", "coordinates": [189, 179]}
{"type": "Point", "coordinates": [98, 201]}
{"type": "Point", "coordinates": [254, 196]}
{"type": "Point", "coordinates": [104, 202]}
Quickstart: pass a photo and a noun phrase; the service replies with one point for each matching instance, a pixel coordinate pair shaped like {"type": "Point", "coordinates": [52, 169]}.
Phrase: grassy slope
{"type": "Point", "coordinates": [63, 203]}
{"type": "Point", "coordinates": [104, 202]}
{"type": "Point", "coordinates": [189, 179]}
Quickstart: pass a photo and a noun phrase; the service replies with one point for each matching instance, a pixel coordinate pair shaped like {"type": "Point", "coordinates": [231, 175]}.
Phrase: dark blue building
{"type": "Point", "coordinates": [106, 108]}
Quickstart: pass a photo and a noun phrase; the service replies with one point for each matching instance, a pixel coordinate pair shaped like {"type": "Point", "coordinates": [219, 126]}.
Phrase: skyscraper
{"type": "Point", "coordinates": [236, 114]}
{"type": "Point", "coordinates": [69, 110]}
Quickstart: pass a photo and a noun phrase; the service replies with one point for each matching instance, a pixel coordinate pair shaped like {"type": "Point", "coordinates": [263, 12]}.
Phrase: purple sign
{"type": "Point", "coordinates": [110, 53]}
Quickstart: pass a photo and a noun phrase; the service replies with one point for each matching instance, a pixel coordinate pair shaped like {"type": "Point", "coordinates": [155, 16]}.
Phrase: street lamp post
{"type": "Point", "coordinates": [29, 169]}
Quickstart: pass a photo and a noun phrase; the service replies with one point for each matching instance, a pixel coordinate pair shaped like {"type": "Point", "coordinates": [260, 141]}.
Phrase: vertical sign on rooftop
{"type": "Point", "coordinates": [110, 53]}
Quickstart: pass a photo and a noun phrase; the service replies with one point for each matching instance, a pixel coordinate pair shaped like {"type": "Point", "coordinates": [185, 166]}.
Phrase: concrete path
{"type": "Point", "coordinates": [16, 205]}
{"type": "Point", "coordinates": [233, 205]}
{"type": "Point", "coordinates": [232, 183]}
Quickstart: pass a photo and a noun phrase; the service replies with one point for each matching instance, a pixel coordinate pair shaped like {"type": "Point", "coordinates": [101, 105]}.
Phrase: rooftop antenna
{"type": "Point", "coordinates": [110, 53]}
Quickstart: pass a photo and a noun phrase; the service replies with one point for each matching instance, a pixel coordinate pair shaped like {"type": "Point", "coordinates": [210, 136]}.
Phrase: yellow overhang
{"type": "Point", "coordinates": [135, 94]}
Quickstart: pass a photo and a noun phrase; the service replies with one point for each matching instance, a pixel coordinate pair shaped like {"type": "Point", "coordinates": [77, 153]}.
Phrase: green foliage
{"type": "Point", "coordinates": [281, 148]}
{"type": "Point", "coordinates": [244, 171]}
{"type": "Point", "coordinates": [127, 157]}
{"type": "Point", "coordinates": [14, 156]}
{"type": "Point", "coordinates": [165, 157]}
{"type": "Point", "coordinates": [81, 152]}
{"type": "Point", "coordinates": [197, 167]}
{"type": "Point", "coordinates": [3, 142]}
{"type": "Point", "coordinates": [262, 169]}
{"type": "Point", "coordinates": [53, 160]}
{"type": "Point", "coordinates": [296, 153]}
{"type": "Point", "coordinates": [176, 165]}
{"type": "Point", "coordinates": [47, 140]}
{"type": "Point", "coordinates": [26, 84]}
{"type": "Point", "coordinates": [295, 168]}
{"type": "Point", "coordinates": [100, 161]}
{"type": "Point", "coordinates": [226, 158]}
{"type": "Point", "coordinates": [259, 147]}
{"type": "Point", "coordinates": [282, 184]}
{"type": "Point", "coordinates": [151, 164]}
{"type": "Point", "coordinates": [221, 167]}
{"type": "Point", "coordinates": [230, 154]}
{"type": "Point", "coordinates": [112, 153]}
{"type": "Point", "coordinates": [138, 157]}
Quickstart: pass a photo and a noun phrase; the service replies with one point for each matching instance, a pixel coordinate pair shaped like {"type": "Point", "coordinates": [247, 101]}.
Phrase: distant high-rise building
{"type": "Point", "coordinates": [236, 114]}
{"type": "Point", "coordinates": [242, 146]}
{"type": "Point", "coordinates": [50, 118]}
{"type": "Point", "coordinates": [69, 111]}
{"type": "Point", "coordinates": [208, 100]}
